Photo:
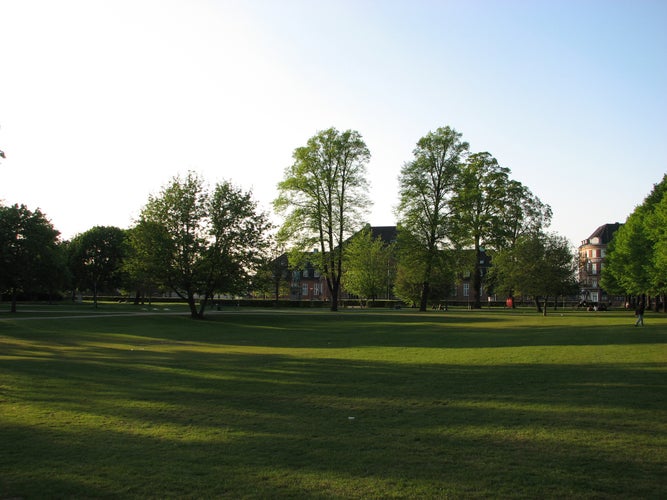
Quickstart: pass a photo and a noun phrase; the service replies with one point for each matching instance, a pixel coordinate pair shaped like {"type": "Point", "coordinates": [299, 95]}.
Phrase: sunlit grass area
{"type": "Point", "coordinates": [358, 404]}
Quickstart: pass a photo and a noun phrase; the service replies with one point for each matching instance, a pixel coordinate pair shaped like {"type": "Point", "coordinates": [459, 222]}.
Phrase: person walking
{"type": "Point", "coordinates": [639, 312]}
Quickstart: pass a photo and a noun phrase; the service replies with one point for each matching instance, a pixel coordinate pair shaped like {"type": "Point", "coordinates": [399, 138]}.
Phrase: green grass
{"type": "Point", "coordinates": [358, 404]}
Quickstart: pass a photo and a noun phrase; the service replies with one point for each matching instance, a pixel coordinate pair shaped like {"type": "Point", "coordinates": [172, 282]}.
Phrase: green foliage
{"type": "Point", "coordinates": [323, 196]}
{"type": "Point", "coordinates": [657, 227]}
{"type": "Point", "coordinates": [479, 202]}
{"type": "Point", "coordinates": [207, 241]}
{"type": "Point", "coordinates": [96, 258]}
{"type": "Point", "coordinates": [478, 206]}
{"type": "Point", "coordinates": [369, 266]}
{"type": "Point", "coordinates": [537, 265]}
{"type": "Point", "coordinates": [636, 261]}
{"type": "Point", "coordinates": [31, 258]}
{"type": "Point", "coordinates": [426, 186]}
{"type": "Point", "coordinates": [523, 214]}
{"type": "Point", "coordinates": [273, 276]}
{"type": "Point", "coordinates": [628, 257]}
{"type": "Point", "coordinates": [147, 247]}
{"type": "Point", "coordinates": [412, 271]}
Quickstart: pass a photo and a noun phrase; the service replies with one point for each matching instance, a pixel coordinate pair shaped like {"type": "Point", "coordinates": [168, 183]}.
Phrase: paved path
{"type": "Point", "coordinates": [99, 315]}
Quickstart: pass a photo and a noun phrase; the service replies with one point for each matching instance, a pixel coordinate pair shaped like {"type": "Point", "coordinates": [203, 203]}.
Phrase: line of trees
{"type": "Point", "coordinates": [450, 202]}
{"type": "Point", "coordinates": [636, 260]}
{"type": "Point", "coordinates": [189, 239]}
{"type": "Point", "coordinates": [454, 206]}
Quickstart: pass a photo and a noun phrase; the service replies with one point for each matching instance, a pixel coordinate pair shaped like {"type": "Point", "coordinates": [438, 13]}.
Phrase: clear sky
{"type": "Point", "coordinates": [103, 102]}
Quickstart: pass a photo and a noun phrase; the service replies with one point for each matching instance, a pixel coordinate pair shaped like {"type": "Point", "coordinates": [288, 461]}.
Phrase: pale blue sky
{"type": "Point", "coordinates": [102, 102]}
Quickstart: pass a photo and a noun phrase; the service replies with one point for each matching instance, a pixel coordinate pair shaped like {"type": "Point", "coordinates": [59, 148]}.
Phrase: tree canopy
{"type": "Point", "coordinates": [453, 207]}
{"type": "Point", "coordinates": [478, 207]}
{"type": "Point", "coordinates": [206, 241]}
{"type": "Point", "coordinates": [96, 257]}
{"type": "Point", "coordinates": [538, 265]}
{"type": "Point", "coordinates": [636, 260]}
{"type": "Point", "coordinates": [426, 186]}
{"type": "Point", "coordinates": [368, 266]}
{"type": "Point", "coordinates": [323, 196]}
{"type": "Point", "coordinates": [30, 254]}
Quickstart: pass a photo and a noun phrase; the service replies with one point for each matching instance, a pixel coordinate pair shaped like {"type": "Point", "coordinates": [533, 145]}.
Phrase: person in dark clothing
{"type": "Point", "coordinates": [639, 312]}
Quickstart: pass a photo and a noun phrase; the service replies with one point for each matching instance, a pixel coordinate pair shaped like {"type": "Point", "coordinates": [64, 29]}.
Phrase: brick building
{"type": "Point", "coordinates": [308, 284]}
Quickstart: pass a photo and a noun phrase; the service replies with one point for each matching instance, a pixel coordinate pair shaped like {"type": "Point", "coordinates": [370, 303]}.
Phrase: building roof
{"type": "Point", "coordinates": [386, 233]}
{"type": "Point", "coordinates": [603, 233]}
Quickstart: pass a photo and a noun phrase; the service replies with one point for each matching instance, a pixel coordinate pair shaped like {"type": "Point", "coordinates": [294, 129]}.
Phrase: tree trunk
{"type": "Point", "coordinates": [426, 288]}
{"type": "Point", "coordinates": [537, 304]}
{"type": "Point", "coordinates": [544, 309]}
{"type": "Point", "coordinates": [202, 306]}
{"type": "Point", "coordinates": [277, 292]}
{"type": "Point", "coordinates": [477, 282]}
{"type": "Point", "coordinates": [335, 288]}
{"type": "Point", "coordinates": [194, 314]}
{"type": "Point", "coordinates": [95, 294]}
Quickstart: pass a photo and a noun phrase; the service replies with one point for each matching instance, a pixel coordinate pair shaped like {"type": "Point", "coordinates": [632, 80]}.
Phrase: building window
{"type": "Point", "coordinates": [318, 289]}
{"type": "Point", "coordinates": [466, 289]}
{"type": "Point", "coordinates": [304, 289]}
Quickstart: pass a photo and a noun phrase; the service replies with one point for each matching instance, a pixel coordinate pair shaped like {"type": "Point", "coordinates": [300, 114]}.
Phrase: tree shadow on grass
{"type": "Point", "coordinates": [152, 423]}
{"type": "Point", "coordinates": [452, 333]}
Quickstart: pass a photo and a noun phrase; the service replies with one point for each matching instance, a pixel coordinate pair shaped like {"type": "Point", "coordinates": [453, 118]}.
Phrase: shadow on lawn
{"type": "Point", "coordinates": [154, 424]}
{"type": "Point", "coordinates": [460, 331]}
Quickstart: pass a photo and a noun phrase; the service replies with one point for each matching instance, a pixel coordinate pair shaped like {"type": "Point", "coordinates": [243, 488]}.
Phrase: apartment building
{"type": "Point", "coordinates": [592, 253]}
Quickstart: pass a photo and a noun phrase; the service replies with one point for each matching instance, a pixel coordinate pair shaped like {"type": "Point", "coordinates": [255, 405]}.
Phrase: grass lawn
{"type": "Point", "coordinates": [309, 404]}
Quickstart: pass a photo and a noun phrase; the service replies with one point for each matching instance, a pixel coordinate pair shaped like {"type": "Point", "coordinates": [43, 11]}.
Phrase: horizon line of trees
{"type": "Point", "coordinates": [197, 241]}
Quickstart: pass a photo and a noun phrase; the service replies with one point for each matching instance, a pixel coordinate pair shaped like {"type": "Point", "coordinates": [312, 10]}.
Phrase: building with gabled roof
{"type": "Point", "coordinates": [592, 253]}
{"type": "Point", "coordinates": [307, 283]}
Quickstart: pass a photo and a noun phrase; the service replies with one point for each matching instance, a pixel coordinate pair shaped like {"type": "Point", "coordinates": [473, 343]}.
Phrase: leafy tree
{"type": "Point", "coordinates": [636, 258]}
{"type": "Point", "coordinates": [30, 255]}
{"type": "Point", "coordinates": [96, 257]}
{"type": "Point", "coordinates": [628, 256]}
{"type": "Point", "coordinates": [523, 214]}
{"type": "Point", "coordinates": [322, 197]}
{"type": "Point", "coordinates": [657, 227]}
{"type": "Point", "coordinates": [477, 211]}
{"type": "Point", "coordinates": [541, 265]}
{"type": "Point", "coordinates": [368, 266]}
{"type": "Point", "coordinates": [426, 187]}
{"type": "Point", "coordinates": [274, 276]}
{"type": "Point", "coordinates": [412, 259]}
{"type": "Point", "coordinates": [146, 246]}
{"type": "Point", "coordinates": [207, 241]}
